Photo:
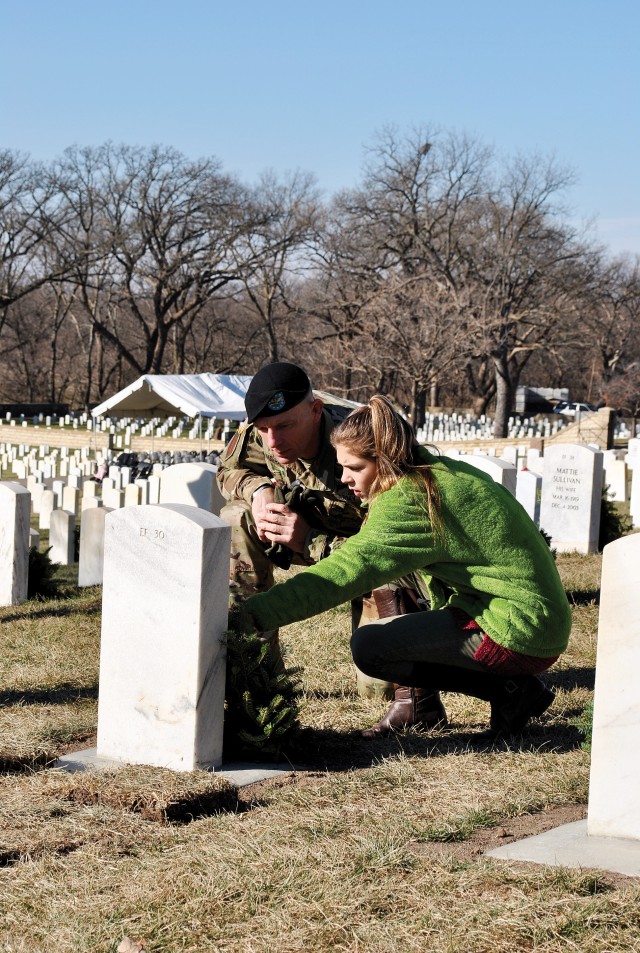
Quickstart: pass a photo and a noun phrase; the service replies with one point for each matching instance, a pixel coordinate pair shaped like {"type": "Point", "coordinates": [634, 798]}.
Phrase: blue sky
{"type": "Point", "coordinates": [289, 85]}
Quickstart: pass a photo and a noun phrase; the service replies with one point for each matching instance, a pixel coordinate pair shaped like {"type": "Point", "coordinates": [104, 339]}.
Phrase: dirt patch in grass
{"type": "Point", "coordinates": [154, 793]}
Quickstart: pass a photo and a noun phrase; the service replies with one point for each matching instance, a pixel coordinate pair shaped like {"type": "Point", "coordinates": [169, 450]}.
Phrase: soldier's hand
{"type": "Point", "coordinates": [259, 505]}
{"type": "Point", "coordinates": [282, 525]}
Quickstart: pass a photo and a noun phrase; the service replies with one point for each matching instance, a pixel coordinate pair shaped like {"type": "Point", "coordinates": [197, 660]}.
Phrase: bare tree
{"type": "Point", "coordinates": [28, 212]}
{"type": "Point", "coordinates": [517, 275]}
{"type": "Point", "coordinates": [272, 258]}
{"type": "Point", "coordinates": [152, 241]}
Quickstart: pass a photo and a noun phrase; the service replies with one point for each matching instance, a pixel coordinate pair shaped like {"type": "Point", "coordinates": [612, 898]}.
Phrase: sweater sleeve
{"type": "Point", "coordinates": [395, 540]}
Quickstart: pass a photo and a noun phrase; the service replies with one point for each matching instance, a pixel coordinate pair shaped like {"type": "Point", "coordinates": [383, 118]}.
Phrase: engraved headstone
{"type": "Point", "coordinates": [15, 511]}
{"type": "Point", "coordinates": [571, 497]}
{"type": "Point", "coordinates": [164, 615]}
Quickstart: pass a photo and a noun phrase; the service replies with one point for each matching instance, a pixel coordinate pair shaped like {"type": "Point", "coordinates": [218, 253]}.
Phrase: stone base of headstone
{"type": "Point", "coordinates": [241, 773]}
{"type": "Point", "coordinates": [571, 846]}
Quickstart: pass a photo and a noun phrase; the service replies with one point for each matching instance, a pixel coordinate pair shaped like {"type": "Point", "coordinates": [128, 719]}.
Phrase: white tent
{"type": "Point", "coordinates": [207, 395]}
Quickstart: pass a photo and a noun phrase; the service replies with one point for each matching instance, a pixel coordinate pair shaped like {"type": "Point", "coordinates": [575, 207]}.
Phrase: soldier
{"type": "Point", "coordinates": [287, 504]}
{"type": "Point", "coordinates": [283, 453]}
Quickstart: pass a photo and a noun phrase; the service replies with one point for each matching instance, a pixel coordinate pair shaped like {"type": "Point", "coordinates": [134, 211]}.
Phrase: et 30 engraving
{"type": "Point", "coordinates": [152, 533]}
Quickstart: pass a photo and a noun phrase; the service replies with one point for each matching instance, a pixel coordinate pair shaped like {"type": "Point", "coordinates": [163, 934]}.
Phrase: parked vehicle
{"type": "Point", "coordinates": [573, 408]}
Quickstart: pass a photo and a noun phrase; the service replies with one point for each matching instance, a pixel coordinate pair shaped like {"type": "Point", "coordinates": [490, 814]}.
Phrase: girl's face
{"type": "Point", "coordinates": [357, 472]}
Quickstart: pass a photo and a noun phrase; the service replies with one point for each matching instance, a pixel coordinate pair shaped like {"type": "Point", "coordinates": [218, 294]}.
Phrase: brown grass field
{"type": "Point", "coordinates": [363, 846]}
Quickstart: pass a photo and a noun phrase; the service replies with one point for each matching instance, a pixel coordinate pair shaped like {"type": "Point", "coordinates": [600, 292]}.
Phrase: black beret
{"type": "Point", "coordinates": [275, 388]}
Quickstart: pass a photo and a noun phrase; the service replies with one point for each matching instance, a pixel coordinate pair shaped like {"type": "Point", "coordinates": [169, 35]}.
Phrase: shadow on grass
{"type": "Point", "coordinates": [59, 695]}
{"type": "Point", "coordinates": [583, 597]}
{"type": "Point", "coordinates": [570, 678]}
{"type": "Point", "coordinates": [329, 750]}
{"type": "Point", "coordinates": [50, 607]}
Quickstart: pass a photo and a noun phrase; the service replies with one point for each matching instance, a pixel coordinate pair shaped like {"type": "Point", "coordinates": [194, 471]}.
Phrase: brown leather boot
{"type": "Point", "coordinates": [417, 708]}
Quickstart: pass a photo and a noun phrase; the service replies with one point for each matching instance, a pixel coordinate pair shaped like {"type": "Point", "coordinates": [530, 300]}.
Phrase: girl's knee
{"type": "Point", "coordinates": [364, 643]}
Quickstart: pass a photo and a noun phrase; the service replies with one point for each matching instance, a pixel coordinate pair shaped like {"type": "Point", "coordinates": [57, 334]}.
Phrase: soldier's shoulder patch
{"type": "Point", "coordinates": [237, 435]}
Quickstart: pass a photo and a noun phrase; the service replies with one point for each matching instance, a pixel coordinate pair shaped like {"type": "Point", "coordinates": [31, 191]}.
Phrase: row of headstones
{"type": "Point", "coordinates": [453, 427]}
{"type": "Point", "coordinates": [125, 426]}
{"type": "Point", "coordinates": [188, 483]}
{"type": "Point", "coordinates": [562, 490]}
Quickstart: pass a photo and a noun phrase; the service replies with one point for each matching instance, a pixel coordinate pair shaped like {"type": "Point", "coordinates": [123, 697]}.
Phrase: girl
{"type": "Point", "coordinates": [498, 613]}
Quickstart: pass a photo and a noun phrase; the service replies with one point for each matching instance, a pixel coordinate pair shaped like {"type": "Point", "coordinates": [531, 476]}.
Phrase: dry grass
{"type": "Point", "coordinates": [377, 847]}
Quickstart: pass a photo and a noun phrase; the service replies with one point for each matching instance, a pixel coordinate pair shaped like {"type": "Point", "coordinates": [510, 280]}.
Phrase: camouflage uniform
{"type": "Point", "coordinates": [247, 464]}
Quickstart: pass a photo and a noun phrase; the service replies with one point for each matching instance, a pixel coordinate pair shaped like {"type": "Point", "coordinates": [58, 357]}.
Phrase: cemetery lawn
{"type": "Point", "coordinates": [376, 846]}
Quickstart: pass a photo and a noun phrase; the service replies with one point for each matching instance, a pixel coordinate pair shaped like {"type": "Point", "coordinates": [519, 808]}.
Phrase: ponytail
{"type": "Point", "coordinates": [377, 432]}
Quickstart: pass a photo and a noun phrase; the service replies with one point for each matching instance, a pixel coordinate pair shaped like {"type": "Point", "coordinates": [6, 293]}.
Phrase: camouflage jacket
{"type": "Point", "coordinates": [246, 464]}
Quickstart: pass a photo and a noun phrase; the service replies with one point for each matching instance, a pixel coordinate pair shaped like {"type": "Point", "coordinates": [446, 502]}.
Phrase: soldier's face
{"type": "Point", "coordinates": [294, 434]}
{"type": "Point", "coordinates": [357, 472]}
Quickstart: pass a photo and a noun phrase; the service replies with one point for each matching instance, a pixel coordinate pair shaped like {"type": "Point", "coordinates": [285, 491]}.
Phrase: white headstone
{"type": "Point", "coordinates": [89, 489]}
{"type": "Point", "coordinates": [633, 452]}
{"type": "Point", "coordinates": [499, 470]}
{"type": "Point", "coordinates": [70, 499]}
{"type": "Point", "coordinates": [634, 497]}
{"type": "Point", "coordinates": [34, 539]}
{"type": "Point", "coordinates": [91, 557]}
{"type": "Point", "coordinates": [58, 489]}
{"type": "Point", "coordinates": [131, 494]}
{"type": "Point", "coordinates": [154, 489]}
{"type": "Point", "coordinates": [144, 491]}
{"type": "Point", "coordinates": [112, 498]}
{"type": "Point", "coordinates": [572, 497]}
{"type": "Point", "coordinates": [15, 513]}
{"type": "Point", "coordinates": [47, 505]}
{"type": "Point", "coordinates": [36, 495]}
{"type": "Point", "coordinates": [528, 491]}
{"type": "Point", "coordinates": [615, 479]}
{"type": "Point", "coordinates": [162, 660]}
{"type": "Point", "coordinates": [90, 503]}
{"type": "Point", "coordinates": [62, 537]}
{"type": "Point", "coordinates": [191, 483]}
{"type": "Point", "coordinates": [614, 784]}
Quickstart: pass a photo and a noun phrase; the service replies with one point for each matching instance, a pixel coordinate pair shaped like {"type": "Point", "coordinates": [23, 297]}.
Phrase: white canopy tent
{"type": "Point", "coordinates": [157, 395]}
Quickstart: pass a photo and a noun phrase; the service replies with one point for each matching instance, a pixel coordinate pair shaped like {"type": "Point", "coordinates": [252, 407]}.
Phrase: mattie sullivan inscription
{"type": "Point", "coordinates": [566, 486]}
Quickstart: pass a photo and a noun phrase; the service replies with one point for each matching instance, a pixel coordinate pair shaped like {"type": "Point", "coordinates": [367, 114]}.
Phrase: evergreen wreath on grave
{"type": "Point", "coordinates": [261, 702]}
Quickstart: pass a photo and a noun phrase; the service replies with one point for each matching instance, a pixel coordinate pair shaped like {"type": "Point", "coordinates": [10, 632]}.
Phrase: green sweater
{"type": "Point", "coordinates": [493, 563]}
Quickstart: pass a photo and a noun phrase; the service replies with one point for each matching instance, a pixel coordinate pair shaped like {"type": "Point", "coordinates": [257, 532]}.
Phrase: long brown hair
{"type": "Point", "coordinates": [377, 432]}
